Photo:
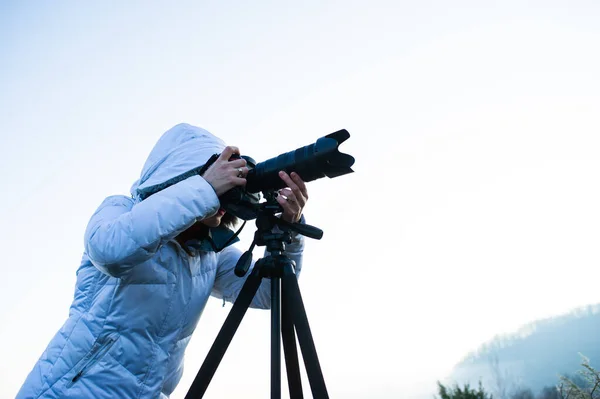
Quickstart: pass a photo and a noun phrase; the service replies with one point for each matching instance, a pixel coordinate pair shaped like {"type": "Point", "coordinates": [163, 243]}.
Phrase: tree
{"type": "Point", "coordinates": [587, 386]}
{"type": "Point", "coordinates": [467, 392]}
{"type": "Point", "coordinates": [500, 376]}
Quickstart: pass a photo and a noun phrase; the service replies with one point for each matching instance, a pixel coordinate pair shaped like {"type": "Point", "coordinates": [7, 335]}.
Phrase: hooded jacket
{"type": "Point", "coordinates": [139, 294]}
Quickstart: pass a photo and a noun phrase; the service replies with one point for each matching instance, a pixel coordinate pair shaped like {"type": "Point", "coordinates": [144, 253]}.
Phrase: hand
{"type": "Point", "coordinates": [293, 198]}
{"type": "Point", "coordinates": [223, 174]}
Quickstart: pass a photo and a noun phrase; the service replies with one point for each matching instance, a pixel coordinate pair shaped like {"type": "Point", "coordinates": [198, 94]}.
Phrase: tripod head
{"type": "Point", "coordinates": [273, 232]}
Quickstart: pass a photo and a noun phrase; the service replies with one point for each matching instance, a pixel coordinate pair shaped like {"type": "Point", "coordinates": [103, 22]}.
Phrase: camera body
{"type": "Point", "coordinates": [238, 201]}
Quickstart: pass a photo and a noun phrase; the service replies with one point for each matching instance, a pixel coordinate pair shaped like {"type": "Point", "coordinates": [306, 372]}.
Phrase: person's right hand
{"type": "Point", "coordinates": [223, 174]}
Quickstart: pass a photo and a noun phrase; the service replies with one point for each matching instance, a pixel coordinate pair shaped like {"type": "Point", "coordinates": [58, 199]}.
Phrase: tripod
{"type": "Point", "coordinates": [287, 311]}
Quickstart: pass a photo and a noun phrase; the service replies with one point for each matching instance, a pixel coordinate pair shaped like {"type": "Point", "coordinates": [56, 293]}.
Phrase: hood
{"type": "Point", "coordinates": [180, 150]}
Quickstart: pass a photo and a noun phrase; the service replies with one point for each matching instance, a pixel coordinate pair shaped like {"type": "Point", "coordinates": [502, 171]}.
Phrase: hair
{"type": "Point", "coordinates": [230, 221]}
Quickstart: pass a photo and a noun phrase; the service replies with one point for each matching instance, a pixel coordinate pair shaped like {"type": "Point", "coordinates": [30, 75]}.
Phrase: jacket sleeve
{"type": "Point", "coordinates": [122, 233]}
{"type": "Point", "coordinates": [228, 286]}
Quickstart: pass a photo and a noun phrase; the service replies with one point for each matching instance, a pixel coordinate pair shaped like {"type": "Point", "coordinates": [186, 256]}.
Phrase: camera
{"type": "Point", "coordinates": [311, 162]}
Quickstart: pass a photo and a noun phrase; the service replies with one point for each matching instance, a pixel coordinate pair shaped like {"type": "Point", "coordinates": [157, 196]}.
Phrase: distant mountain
{"type": "Point", "coordinates": [536, 355]}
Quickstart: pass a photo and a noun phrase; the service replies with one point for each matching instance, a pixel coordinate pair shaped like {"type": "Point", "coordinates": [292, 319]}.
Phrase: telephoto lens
{"type": "Point", "coordinates": [311, 162]}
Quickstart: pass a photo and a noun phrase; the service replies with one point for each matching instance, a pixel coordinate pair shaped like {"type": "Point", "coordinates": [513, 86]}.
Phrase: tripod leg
{"type": "Point", "coordinates": [275, 338]}
{"type": "Point", "coordinates": [289, 347]}
{"type": "Point", "coordinates": [307, 345]}
{"type": "Point", "coordinates": [231, 324]}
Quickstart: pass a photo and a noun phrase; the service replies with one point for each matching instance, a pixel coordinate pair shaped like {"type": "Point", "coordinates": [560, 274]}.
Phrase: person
{"type": "Point", "coordinates": [147, 272]}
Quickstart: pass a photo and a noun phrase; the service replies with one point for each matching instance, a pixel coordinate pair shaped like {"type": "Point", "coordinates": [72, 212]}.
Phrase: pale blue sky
{"type": "Point", "coordinates": [476, 132]}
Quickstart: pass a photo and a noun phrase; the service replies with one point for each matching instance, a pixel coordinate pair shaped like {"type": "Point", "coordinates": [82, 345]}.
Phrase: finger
{"type": "Point", "coordinates": [288, 180]}
{"type": "Point", "coordinates": [228, 152]}
{"type": "Point", "coordinates": [238, 181]}
{"type": "Point", "coordinates": [241, 171]}
{"type": "Point", "coordinates": [237, 163]}
{"type": "Point", "coordinates": [300, 183]}
{"type": "Point", "coordinates": [285, 205]}
{"type": "Point", "coordinates": [292, 185]}
{"type": "Point", "coordinates": [289, 195]}
{"type": "Point", "coordinates": [296, 202]}
{"type": "Point", "coordinates": [289, 214]}
{"type": "Point", "coordinates": [285, 192]}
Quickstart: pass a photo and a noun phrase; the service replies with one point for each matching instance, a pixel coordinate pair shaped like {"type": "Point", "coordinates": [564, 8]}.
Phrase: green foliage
{"type": "Point", "coordinates": [457, 392]}
{"type": "Point", "coordinates": [587, 386]}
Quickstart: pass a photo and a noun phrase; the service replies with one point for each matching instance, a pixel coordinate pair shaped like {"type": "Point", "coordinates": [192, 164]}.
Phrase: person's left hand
{"type": "Point", "coordinates": [293, 198]}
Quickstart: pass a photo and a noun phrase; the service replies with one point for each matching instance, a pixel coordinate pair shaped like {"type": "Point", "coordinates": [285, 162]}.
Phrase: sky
{"type": "Point", "coordinates": [472, 209]}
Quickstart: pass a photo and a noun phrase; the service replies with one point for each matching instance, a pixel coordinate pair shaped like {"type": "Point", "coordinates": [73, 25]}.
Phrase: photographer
{"type": "Point", "coordinates": [147, 271]}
